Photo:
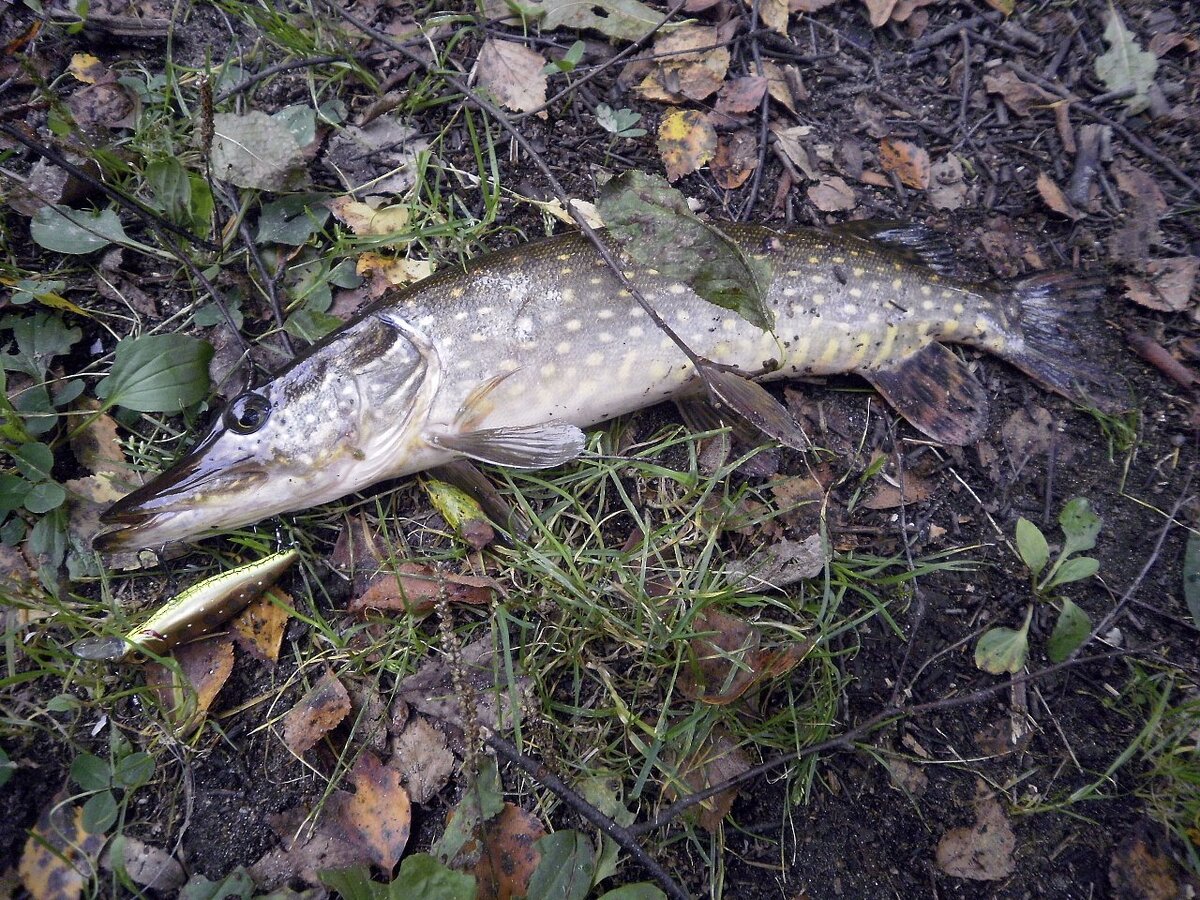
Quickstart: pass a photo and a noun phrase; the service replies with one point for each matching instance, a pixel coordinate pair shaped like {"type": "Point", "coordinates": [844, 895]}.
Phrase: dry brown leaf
{"type": "Point", "coordinates": [832, 194]}
{"type": "Point", "coordinates": [983, 852]}
{"type": "Point", "coordinates": [810, 6]}
{"type": "Point", "coordinates": [367, 220]}
{"type": "Point", "coordinates": [686, 141]}
{"type": "Point", "coordinates": [741, 95]}
{"type": "Point", "coordinates": [206, 665]}
{"type": "Point", "coordinates": [146, 865]}
{"type": "Point", "coordinates": [947, 189]}
{"type": "Point", "coordinates": [1168, 284]}
{"type": "Point", "coordinates": [358, 552]}
{"type": "Point", "coordinates": [509, 857]}
{"type": "Point", "coordinates": [415, 589]}
{"type": "Point", "coordinates": [717, 759]}
{"type": "Point", "coordinates": [513, 74]}
{"type": "Point", "coordinates": [1141, 868]}
{"type": "Point", "coordinates": [782, 88]}
{"type": "Point", "coordinates": [728, 661]}
{"type": "Point", "coordinates": [1021, 97]}
{"type": "Point", "coordinates": [906, 776]}
{"type": "Point", "coordinates": [905, 9]}
{"type": "Point", "coordinates": [907, 160]}
{"type": "Point", "coordinates": [691, 64]}
{"type": "Point", "coordinates": [423, 758]}
{"type": "Point", "coordinates": [259, 628]}
{"type": "Point", "coordinates": [1028, 432]}
{"type": "Point", "coordinates": [315, 714]}
{"type": "Point", "coordinates": [736, 159]}
{"type": "Point", "coordinates": [305, 852]}
{"type": "Point", "coordinates": [106, 104]}
{"type": "Point", "coordinates": [791, 142]}
{"type": "Point", "coordinates": [59, 856]}
{"type": "Point", "coordinates": [780, 564]}
{"type": "Point", "coordinates": [377, 817]}
{"type": "Point", "coordinates": [432, 691]}
{"type": "Point", "coordinates": [1054, 198]}
{"type": "Point", "coordinates": [888, 496]}
{"type": "Point", "coordinates": [97, 446]}
{"type": "Point", "coordinates": [774, 14]}
{"type": "Point", "coordinates": [1166, 41]}
{"type": "Point", "coordinates": [1139, 185]}
{"type": "Point", "coordinates": [880, 11]}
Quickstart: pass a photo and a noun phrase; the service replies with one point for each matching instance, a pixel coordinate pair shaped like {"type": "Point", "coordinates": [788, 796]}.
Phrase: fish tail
{"type": "Point", "coordinates": [1057, 317]}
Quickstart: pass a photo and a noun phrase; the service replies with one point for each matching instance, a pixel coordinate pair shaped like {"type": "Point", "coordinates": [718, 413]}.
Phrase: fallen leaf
{"type": "Point", "coordinates": [947, 189]}
{"type": "Point", "coordinates": [1005, 7]}
{"type": "Point", "coordinates": [377, 158]}
{"type": "Point", "coordinates": [59, 855]}
{"type": "Point", "coordinates": [1022, 97]}
{"type": "Point", "coordinates": [256, 150]}
{"type": "Point", "coordinates": [513, 74]}
{"type": "Point", "coordinates": [415, 589]}
{"type": "Point", "coordinates": [832, 194]}
{"type": "Point", "coordinates": [727, 660]}
{"type": "Point", "coordinates": [996, 738]}
{"type": "Point", "coordinates": [107, 104]}
{"type": "Point", "coordinates": [735, 160]}
{"type": "Point", "coordinates": [880, 11]}
{"type": "Point", "coordinates": [585, 207]}
{"type": "Point", "coordinates": [1054, 198]}
{"type": "Point", "coordinates": [780, 564]}
{"type": "Point", "coordinates": [1028, 432]}
{"type": "Point", "coordinates": [904, 9]}
{"type": "Point", "coordinates": [88, 68]}
{"type": "Point", "coordinates": [782, 88]}
{"type": "Point", "coordinates": [386, 272]}
{"type": "Point", "coordinates": [691, 65]}
{"type": "Point", "coordinates": [1168, 284]}
{"type": "Point", "coordinates": [886, 495]}
{"type": "Point", "coordinates": [1125, 65]}
{"type": "Point", "coordinates": [377, 816]}
{"type": "Point", "coordinates": [365, 219]}
{"type": "Point", "coordinates": [358, 552]}
{"type": "Point", "coordinates": [97, 446]}
{"type": "Point", "coordinates": [626, 20]}
{"type": "Point", "coordinates": [305, 851]}
{"type": "Point", "coordinates": [205, 665]}
{"type": "Point", "coordinates": [686, 141]}
{"type": "Point", "coordinates": [774, 14]}
{"type": "Point", "coordinates": [423, 758]}
{"type": "Point", "coordinates": [431, 690]}
{"type": "Point", "coordinates": [509, 857]}
{"type": "Point", "coordinates": [907, 777]}
{"type": "Point", "coordinates": [791, 142]}
{"type": "Point", "coordinates": [810, 6]}
{"type": "Point", "coordinates": [144, 864]}
{"type": "Point", "coordinates": [982, 852]}
{"type": "Point", "coordinates": [1165, 41]}
{"type": "Point", "coordinates": [1141, 868]}
{"type": "Point", "coordinates": [717, 759]}
{"type": "Point", "coordinates": [315, 714]}
{"type": "Point", "coordinates": [259, 628]}
{"type": "Point", "coordinates": [907, 160]}
{"type": "Point", "coordinates": [742, 95]}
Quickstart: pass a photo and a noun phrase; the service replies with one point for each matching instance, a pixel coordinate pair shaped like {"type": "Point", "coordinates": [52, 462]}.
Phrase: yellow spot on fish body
{"type": "Point", "coordinates": [790, 292]}
{"type": "Point", "coordinates": [548, 369]}
{"type": "Point", "coordinates": [728, 324]}
{"type": "Point", "coordinates": [456, 293]}
{"type": "Point", "coordinates": [460, 316]}
{"type": "Point", "coordinates": [946, 295]}
{"type": "Point", "coordinates": [830, 353]}
{"type": "Point", "coordinates": [792, 273]}
{"type": "Point", "coordinates": [818, 299]}
{"type": "Point", "coordinates": [636, 331]}
{"type": "Point", "coordinates": [660, 369]}
{"type": "Point", "coordinates": [859, 271]}
{"type": "Point", "coordinates": [838, 260]}
{"type": "Point", "coordinates": [855, 292]}
{"type": "Point", "coordinates": [623, 293]}
{"type": "Point", "coordinates": [595, 279]}
{"type": "Point", "coordinates": [899, 267]}
{"type": "Point", "coordinates": [949, 327]}
{"type": "Point", "coordinates": [926, 290]}
{"type": "Point", "coordinates": [563, 257]}
{"type": "Point", "coordinates": [897, 284]}
{"type": "Point", "coordinates": [814, 260]}
{"type": "Point", "coordinates": [958, 307]}
{"type": "Point", "coordinates": [860, 351]}
{"type": "Point", "coordinates": [565, 270]}
{"type": "Point", "coordinates": [885, 346]}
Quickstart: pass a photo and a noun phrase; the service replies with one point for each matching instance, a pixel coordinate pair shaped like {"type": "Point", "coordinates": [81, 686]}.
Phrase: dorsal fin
{"type": "Point", "coordinates": [919, 244]}
{"type": "Point", "coordinates": [936, 393]}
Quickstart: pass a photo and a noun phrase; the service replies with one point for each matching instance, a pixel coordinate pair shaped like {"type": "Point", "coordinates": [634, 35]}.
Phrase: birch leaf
{"type": "Point", "coordinates": [1126, 65]}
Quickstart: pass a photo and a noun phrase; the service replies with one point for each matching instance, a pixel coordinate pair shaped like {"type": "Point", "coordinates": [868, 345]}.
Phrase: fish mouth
{"type": "Point", "coordinates": [199, 494]}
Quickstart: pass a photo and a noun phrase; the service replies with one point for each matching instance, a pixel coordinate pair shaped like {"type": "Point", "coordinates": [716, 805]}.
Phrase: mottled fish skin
{"type": "Point", "coordinates": [544, 334]}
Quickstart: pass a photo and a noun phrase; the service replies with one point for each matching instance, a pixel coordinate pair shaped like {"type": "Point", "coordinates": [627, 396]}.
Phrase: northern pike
{"type": "Point", "coordinates": [505, 359]}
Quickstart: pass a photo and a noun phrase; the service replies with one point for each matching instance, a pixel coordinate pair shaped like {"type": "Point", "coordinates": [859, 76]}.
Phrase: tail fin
{"type": "Point", "coordinates": [1057, 317]}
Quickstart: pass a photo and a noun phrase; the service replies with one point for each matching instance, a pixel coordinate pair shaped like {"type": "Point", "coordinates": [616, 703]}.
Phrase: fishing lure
{"type": "Point", "coordinates": [192, 613]}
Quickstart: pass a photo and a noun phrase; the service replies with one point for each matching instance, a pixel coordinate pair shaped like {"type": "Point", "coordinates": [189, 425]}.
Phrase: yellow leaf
{"type": "Point", "coordinates": [87, 68]}
{"type": "Point", "coordinates": [394, 271]}
{"type": "Point", "coordinates": [364, 220]}
{"type": "Point", "coordinates": [686, 141]}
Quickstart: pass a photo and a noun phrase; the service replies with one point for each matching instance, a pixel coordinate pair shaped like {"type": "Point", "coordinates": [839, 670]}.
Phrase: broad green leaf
{"type": "Point", "coordinates": [311, 325]}
{"type": "Point", "coordinates": [34, 461]}
{"type": "Point", "coordinates": [1032, 546]}
{"type": "Point", "coordinates": [483, 800]}
{"type": "Point", "coordinates": [1070, 631]}
{"type": "Point", "coordinates": [7, 767]}
{"type": "Point", "coordinates": [653, 224]}
{"type": "Point", "coordinates": [13, 489]}
{"type": "Point", "coordinates": [172, 188]}
{"type": "Point", "coordinates": [39, 339]}
{"type": "Point", "coordinates": [12, 427]}
{"type": "Point", "coordinates": [202, 203]}
{"type": "Point", "coordinates": [1125, 65]}
{"type": "Point", "coordinates": [601, 792]}
{"type": "Point", "coordinates": [1076, 568]}
{"type": "Point", "coordinates": [422, 877]}
{"type": "Point", "coordinates": [1002, 650]}
{"type": "Point", "coordinates": [354, 883]}
{"type": "Point", "coordinates": [134, 770]}
{"type": "Point", "coordinates": [291, 220]}
{"type": "Point", "coordinates": [99, 812]}
{"type": "Point", "coordinates": [157, 373]}
{"type": "Point", "coordinates": [44, 497]}
{"type": "Point", "coordinates": [643, 890]}
{"type": "Point", "coordinates": [1191, 576]}
{"type": "Point", "coordinates": [48, 539]}
{"type": "Point", "coordinates": [91, 772]}
{"type": "Point", "coordinates": [301, 121]}
{"type": "Point", "coordinates": [66, 230]}
{"type": "Point", "coordinates": [1080, 525]}
{"type": "Point", "coordinates": [565, 871]}
{"type": "Point", "coordinates": [237, 883]}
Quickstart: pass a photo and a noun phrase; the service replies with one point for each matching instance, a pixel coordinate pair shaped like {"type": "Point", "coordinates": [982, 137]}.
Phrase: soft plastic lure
{"type": "Point", "coordinates": [193, 613]}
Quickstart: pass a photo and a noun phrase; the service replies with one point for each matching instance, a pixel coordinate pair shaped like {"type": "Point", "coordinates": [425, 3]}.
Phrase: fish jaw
{"type": "Point", "coordinates": [342, 417]}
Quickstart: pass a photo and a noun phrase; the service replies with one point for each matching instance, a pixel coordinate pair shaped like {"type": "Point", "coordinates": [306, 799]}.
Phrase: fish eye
{"type": "Point", "coordinates": [247, 413]}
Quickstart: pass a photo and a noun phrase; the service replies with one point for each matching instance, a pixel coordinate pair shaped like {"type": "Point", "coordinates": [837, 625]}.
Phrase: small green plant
{"type": "Point", "coordinates": [1003, 650]}
{"type": "Point", "coordinates": [619, 122]}
{"type": "Point", "coordinates": [569, 61]}
{"type": "Point", "coordinates": [110, 782]}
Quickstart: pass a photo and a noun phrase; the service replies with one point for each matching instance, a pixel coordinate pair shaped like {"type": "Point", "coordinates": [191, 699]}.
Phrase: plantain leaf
{"type": "Point", "coordinates": [1003, 650]}
{"type": "Point", "coordinates": [1080, 525]}
{"type": "Point", "coordinates": [66, 230]}
{"type": "Point", "coordinates": [1076, 568]}
{"type": "Point", "coordinates": [1032, 546]}
{"type": "Point", "coordinates": [1070, 631]}
{"type": "Point", "coordinates": [157, 373]}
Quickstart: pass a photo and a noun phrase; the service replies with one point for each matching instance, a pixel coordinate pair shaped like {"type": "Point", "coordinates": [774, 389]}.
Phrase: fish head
{"type": "Point", "coordinates": [342, 416]}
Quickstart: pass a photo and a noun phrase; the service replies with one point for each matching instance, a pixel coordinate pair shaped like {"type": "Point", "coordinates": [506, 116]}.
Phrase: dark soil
{"type": "Point", "coordinates": [859, 834]}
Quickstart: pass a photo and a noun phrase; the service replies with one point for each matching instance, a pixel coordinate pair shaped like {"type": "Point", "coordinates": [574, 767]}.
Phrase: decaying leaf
{"type": "Point", "coordinates": [947, 189]}
{"type": "Point", "coordinates": [982, 852]}
{"type": "Point", "coordinates": [513, 74]}
{"type": "Point", "coordinates": [692, 64]}
{"type": "Point", "coordinates": [315, 714]}
{"type": "Point", "coordinates": [907, 160]}
{"type": "Point", "coordinates": [509, 855]}
{"type": "Point", "coordinates": [305, 851]}
{"type": "Point", "coordinates": [1142, 868]}
{"type": "Point", "coordinates": [774, 14]}
{"type": "Point", "coordinates": [1167, 286]}
{"type": "Point", "coordinates": [626, 20]}
{"type": "Point", "coordinates": [792, 143]}
{"type": "Point", "coordinates": [906, 776]}
{"type": "Point", "coordinates": [259, 628]}
{"type": "Point", "coordinates": [1125, 65]}
{"type": "Point", "coordinates": [376, 158]}
{"type": "Point", "coordinates": [146, 865]}
{"type": "Point", "coordinates": [832, 194]}
{"type": "Point", "coordinates": [736, 159]}
{"type": "Point", "coordinates": [367, 219]}
{"type": "Point", "coordinates": [97, 446]}
{"type": "Point", "coordinates": [205, 665]}
{"type": "Point", "coordinates": [59, 856]}
{"type": "Point", "coordinates": [415, 589]}
{"type": "Point", "coordinates": [781, 564]}
{"type": "Point", "coordinates": [783, 90]}
{"type": "Point", "coordinates": [1022, 97]}
{"type": "Point", "coordinates": [255, 150]}
{"type": "Point", "coordinates": [887, 495]}
{"type": "Point", "coordinates": [741, 95]}
{"type": "Point", "coordinates": [728, 659]}
{"type": "Point", "coordinates": [431, 690]}
{"type": "Point", "coordinates": [879, 11]}
{"type": "Point", "coordinates": [378, 815]}
{"type": "Point", "coordinates": [1054, 198]}
{"type": "Point", "coordinates": [107, 104]}
{"type": "Point", "coordinates": [88, 69]}
{"type": "Point", "coordinates": [423, 758]}
{"type": "Point", "coordinates": [717, 759]}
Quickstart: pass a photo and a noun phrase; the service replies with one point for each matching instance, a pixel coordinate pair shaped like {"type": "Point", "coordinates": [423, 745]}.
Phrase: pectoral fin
{"type": "Point", "coordinates": [936, 393]}
{"type": "Point", "coordinates": [752, 402]}
{"type": "Point", "coordinates": [539, 446]}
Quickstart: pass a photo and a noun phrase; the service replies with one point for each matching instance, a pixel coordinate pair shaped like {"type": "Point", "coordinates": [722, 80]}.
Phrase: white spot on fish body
{"type": "Point", "coordinates": [484, 310]}
{"type": "Point", "coordinates": [958, 307]}
{"type": "Point", "coordinates": [548, 369]}
{"type": "Point", "coordinates": [818, 279]}
{"type": "Point", "coordinates": [568, 295]}
{"type": "Point", "coordinates": [478, 337]}
{"type": "Point", "coordinates": [573, 325]}
{"type": "Point", "coordinates": [859, 271]}
{"type": "Point", "coordinates": [855, 292]}
{"type": "Point", "coordinates": [563, 348]}
{"type": "Point", "coordinates": [460, 316]}
{"type": "Point", "coordinates": [595, 279]}
{"type": "Point", "coordinates": [790, 292]}
{"type": "Point", "coordinates": [897, 284]}
{"type": "Point", "coordinates": [604, 337]}
{"type": "Point", "coordinates": [594, 359]}
{"type": "Point", "coordinates": [636, 331]}
{"type": "Point", "coordinates": [677, 289]}
{"type": "Point", "coordinates": [604, 314]}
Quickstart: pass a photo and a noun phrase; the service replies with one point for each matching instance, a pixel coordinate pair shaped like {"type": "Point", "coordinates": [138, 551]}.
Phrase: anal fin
{"type": "Point", "coordinates": [540, 446]}
{"type": "Point", "coordinates": [936, 393]}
